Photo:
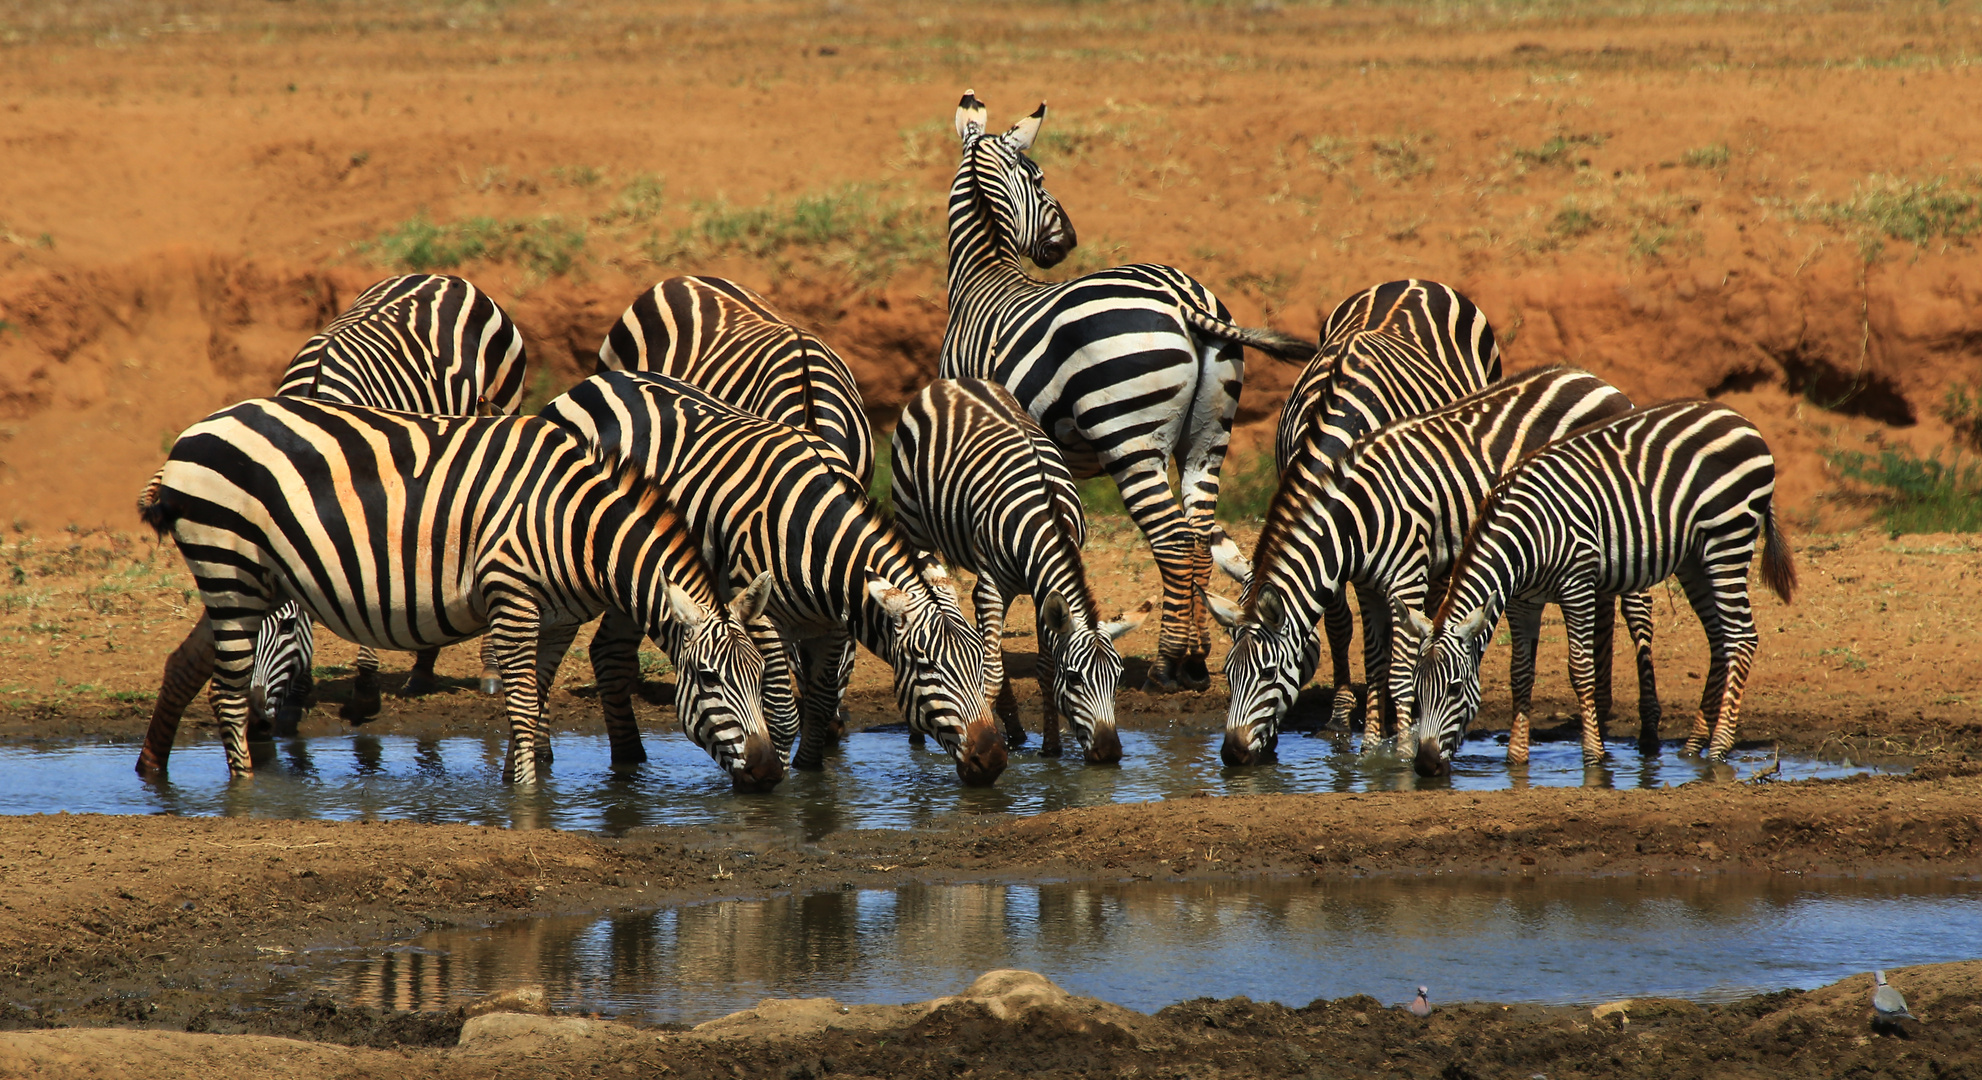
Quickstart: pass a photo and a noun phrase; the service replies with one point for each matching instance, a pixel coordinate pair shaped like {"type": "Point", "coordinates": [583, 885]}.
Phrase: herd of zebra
{"type": "Point", "coordinates": [708, 489]}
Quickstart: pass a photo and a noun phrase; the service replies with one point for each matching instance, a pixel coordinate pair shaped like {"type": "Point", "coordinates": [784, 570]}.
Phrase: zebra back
{"type": "Point", "coordinates": [1391, 351]}
{"type": "Point", "coordinates": [425, 343]}
{"type": "Point", "coordinates": [728, 340]}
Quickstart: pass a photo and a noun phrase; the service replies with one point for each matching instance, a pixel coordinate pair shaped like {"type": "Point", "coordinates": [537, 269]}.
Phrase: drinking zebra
{"type": "Point", "coordinates": [405, 531]}
{"type": "Point", "coordinates": [760, 495]}
{"type": "Point", "coordinates": [1682, 489]}
{"type": "Point", "coordinates": [421, 343]}
{"type": "Point", "coordinates": [727, 340]}
{"type": "Point", "coordinates": [976, 480]}
{"type": "Point", "coordinates": [1388, 517]}
{"type": "Point", "coordinates": [1391, 351]}
{"type": "Point", "coordinates": [1125, 369]}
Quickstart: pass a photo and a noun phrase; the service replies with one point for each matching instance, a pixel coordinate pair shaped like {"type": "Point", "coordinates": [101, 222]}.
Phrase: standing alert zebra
{"type": "Point", "coordinates": [763, 496]}
{"type": "Point", "coordinates": [1391, 351]}
{"type": "Point", "coordinates": [1125, 369]}
{"type": "Point", "coordinates": [1388, 517]}
{"type": "Point", "coordinates": [422, 343]}
{"type": "Point", "coordinates": [977, 481]}
{"type": "Point", "coordinates": [404, 531]}
{"type": "Point", "coordinates": [1682, 489]}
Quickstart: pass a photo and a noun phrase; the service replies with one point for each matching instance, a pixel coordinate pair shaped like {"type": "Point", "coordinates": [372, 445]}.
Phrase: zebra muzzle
{"type": "Point", "coordinates": [1104, 747]}
{"type": "Point", "coordinates": [1430, 760]}
{"type": "Point", "coordinates": [981, 755]}
{"type": "Point", "coordinates": [1238, 751]}
{"type": "Point", "coordinates": [761, 768]}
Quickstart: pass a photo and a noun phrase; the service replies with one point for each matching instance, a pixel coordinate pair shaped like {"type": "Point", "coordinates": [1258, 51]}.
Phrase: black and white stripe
{"type": "Point", "coordinates": [405, 531]}
{"type": "Point", "coordinates": [764, 496]}
{"type": "Point", "coordinates": [726, 339]}
{"type": "Point", "coordinates": [1388, 517]}
{"type": "Point", "coordinates": [1125, 369]}
{"type": "Point", "coordinates": [977, 481]}
{"type": "Point", "coordinates": [1391, 351]}
{"type": "Point", "coordinates": [1682, 489]}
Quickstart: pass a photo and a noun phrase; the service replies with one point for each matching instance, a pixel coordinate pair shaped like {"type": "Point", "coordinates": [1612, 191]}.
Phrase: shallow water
{"type": "Point", "coordinates": [876, 780]}
{"type": "Point", "coordinates": [1149, 944]}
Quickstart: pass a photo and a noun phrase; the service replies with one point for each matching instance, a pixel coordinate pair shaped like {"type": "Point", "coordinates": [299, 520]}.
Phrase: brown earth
{"type": "Point", "coordinates": [1686, 203]}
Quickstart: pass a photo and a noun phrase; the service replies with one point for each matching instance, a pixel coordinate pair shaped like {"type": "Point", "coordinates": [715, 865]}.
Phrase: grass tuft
{"type": "Point", "coordinates": [547, 246]}
{"type": "Point", "coordinates": [1962, 409]}
{"type": "Point", "coordinates": [1712, 158]}
{"type": "Point", "coordinates": [855, 228]}
{"type": "Point", "coordinates": [1916, 494]}
{"type": "Point", "coordinates": [1915, 211]}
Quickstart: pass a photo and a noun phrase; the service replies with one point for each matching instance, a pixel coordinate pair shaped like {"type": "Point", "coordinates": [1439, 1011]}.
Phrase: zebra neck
{"type": "Point", "coordinates": [636, 552]}
{"type": "Point", "coordinates": [1494, 567]}
{"type": "Point", "coordinates": [984, 268]}
{"type": "Point", "coordinates": [1312, 547]}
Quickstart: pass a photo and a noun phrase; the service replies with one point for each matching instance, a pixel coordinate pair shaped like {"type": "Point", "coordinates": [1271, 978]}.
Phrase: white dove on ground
{"type": "Point", "coordinates": [1888, 1005]}
{"type": "Point", "coordinates": [1421, 1005]}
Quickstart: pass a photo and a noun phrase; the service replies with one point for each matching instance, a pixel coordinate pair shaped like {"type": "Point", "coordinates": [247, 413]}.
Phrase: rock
{"type": "Point", "coordinates": [522, 999]}
{"type": "Point", "coordinates": [519, 1034]}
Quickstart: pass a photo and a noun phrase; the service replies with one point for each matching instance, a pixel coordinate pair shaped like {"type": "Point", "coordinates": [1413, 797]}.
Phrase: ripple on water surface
{"type": "Point", "coordinates": [1150, 944]}
{"type": "Point", "coordinates": [875, 780]}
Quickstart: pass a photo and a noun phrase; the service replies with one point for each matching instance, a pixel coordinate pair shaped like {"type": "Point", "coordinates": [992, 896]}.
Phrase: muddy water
{"type": "Point", "coordinates": [1149, 944]}
{"type": "Point", "coordinates": [876, 780]}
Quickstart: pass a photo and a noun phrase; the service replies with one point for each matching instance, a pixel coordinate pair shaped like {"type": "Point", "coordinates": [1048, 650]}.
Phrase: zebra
{"type": "Point", "coordinates": [760, 495]}
{"type": "Point", "coordinates": [404, 530]}
{"type": "Point", "coordinates": [422, 343]}
{"type": "Point", "coordinates": [978, 482]}
{"type": "Point", "coordinates": [1388, 517]}
{"type": "Point", "coordinates": [1125, 369]}
{"type": "Point", "coordinates": [1681, 489]}
{"type": "Point", "coordinates": [1393, 350]}
{"type": "Point", "coordinates": [727, 340]}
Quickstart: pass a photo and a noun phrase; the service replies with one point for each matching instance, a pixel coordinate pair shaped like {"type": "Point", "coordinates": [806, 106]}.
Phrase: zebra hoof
{"type": "Point", "coordinates": [286, 720]}
{"type": "Point", "coordinates": [492, 685]}
{"type": "Point", "coordinates": [365, 699]}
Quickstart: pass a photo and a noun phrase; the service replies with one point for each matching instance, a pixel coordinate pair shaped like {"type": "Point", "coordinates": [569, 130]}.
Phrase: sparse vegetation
{"type": "Point", "coordinates": [640, 200]}
{"type": "Point", "coordinates": [855, 228]}
{"type": "Point", "coordinates": [1330, 154]}
{"type": "Point", "coordinates": [1711, 158]}
{"type": "Point", "coordinates": [1246, 489]}
{"type": "Point", "coordinates": [547, 246]}
{"type": "Point", "coordinates": [1560, 151]}
{"type": "Point", "coordinates": [1896, 208]}
{"type": "Point", "coordinates": [1962, 409]}
{"type": "Point", "coordinates": [1916, 494]}
{"type": "Point", "coordinates": [1402, 157]}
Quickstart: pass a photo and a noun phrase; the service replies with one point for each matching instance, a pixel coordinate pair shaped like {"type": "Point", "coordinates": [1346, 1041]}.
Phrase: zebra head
{"type": "Point", "coordinates": [1446, 682]}
{"type": "Point", "coordinates": [1086, 671]}
{"type": "Point", "coordinates": [285, 644]}
{"type": "Point", "coordinates": [720, 691]}
{"type": "Point", "coordinates": [939, 671]}
{"type": "Point", "coordinates": [1007, 190]}
{"type": "Point", "coordinates": [1271, 657]}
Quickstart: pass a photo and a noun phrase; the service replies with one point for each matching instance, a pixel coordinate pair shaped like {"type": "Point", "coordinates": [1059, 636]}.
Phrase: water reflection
{"type": "Point", "coordinates": [875, 780]}
{"type": "Point", "coordinates": [1149, 944]}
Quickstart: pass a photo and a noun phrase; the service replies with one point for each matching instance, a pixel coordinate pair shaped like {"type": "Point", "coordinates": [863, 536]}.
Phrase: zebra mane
{"type": "Point", "coordinates": [980, 203]}
{"type": "Point", "coordinates": [1282, 526]}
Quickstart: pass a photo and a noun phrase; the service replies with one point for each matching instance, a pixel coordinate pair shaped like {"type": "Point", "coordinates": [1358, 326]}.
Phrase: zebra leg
{"type": "Point", "coordinates": [233, 669]}
{"type": "Point", "coordinates": [1201, 456]}
{"type": "Point", "coordinates": [287, 714]}
{"type": "Point", "coordinates": [421, 681]}
{"type": "Point", "coordinates": [780, 687]}
{"type": "Point", "coordinates": [1700, 594]}
{"type": "Point", "coordinates": [615, 654]}
{"type": "Point", "coordinates": [513, 629]}
{"type": "Point", "coordinates": [1637, 608]}
{"type": "Point", "coordinates": [492, 678]}
{"type": "Point", "coordinates": [1580, 617]}
{"type": "Point", "coordinates": [365, 698]}
{"type": "Point", "coordinates": [1376, 666]}
{"type": "Point", "coordinates": [553, 643]}
{"type": "Point", "coordinates": [1733, 640]}
{"type": "Point", "coordinates": [1524, 629]}
{"type": "Point", "coordinates": [186, 670]}
{"type": "Point", "coordinates": [1049, 721]}
{"type": "Point", "coordinates": [1340, 625]}
{"type": "Point", "coordinates": [820, 662]}
{"type": "Point", "coordinates": [1603, 640]}
{"type": "Point", "coordinates": [1146, 492]}
{"type": "Point", "coordinates": [989, 603]}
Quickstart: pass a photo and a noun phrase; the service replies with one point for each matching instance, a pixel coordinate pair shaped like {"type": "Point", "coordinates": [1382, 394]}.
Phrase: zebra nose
{"type": "Point", "coordinates": [1429, 761]}
{"type": "Point", "coordinates": [761, 769]}
{"type": "Point", "coordinates": [1104, 747]}
{"type": "Point", "coordinates": [981, 755]}
{"type": "Point", "coordinates": [1238, 749]}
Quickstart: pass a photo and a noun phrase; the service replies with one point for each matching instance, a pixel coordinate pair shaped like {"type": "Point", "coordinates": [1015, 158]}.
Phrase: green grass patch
{"type": "Point", "coordinates": [1916, 494]}
{"type": "Point", "coordinates": [1846, 655]}
{"type": "Point", "coordinates": [1916, 211]}
{"type": "Point", "coordinates": [546, 246]}
{"type": "Point", "coordinates": [1246, 489]}
{"type": "Point", "coordinates": [856, 228]}
{"type": "Point", "coordinates": [1962, 409]}
{"type": "Point", "coordinates": [882, 488]}
{"type": "Point", "coordinates": [1560, 151]}
{"type": "Point", "coordinates": [1712, 158]}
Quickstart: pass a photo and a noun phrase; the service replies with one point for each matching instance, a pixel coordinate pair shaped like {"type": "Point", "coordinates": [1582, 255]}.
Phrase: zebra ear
{"type": "Point", "coordinates": [1054, 614]}
{"type": "Point", "coordinates": [1473, 625]}
{"type": "Point", "coordinates": [1272, 610]}
{"type": "Point", "coordinates": [892, 600]}
{"type": "Point", "coordinates": [1403, 614]}
{"type": "Point", "coordinates": [1228, 614]}
{"type": "Point", "coordinates": [970, 116]}
{"type": "Point", "coordinates": [750, 603]}
{"type": "Point", "coordinates": [683, 609]}
{"type": "Point", "coordinates": [1126, 621]}
{"type": "Point", "coordinates": [1026, 130]}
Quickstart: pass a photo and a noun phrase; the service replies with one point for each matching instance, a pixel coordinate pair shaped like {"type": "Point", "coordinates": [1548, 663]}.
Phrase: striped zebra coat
{"type": "Point", "coordinates": [1682, 489]}
{"type": "Point", "coordinates": [764, 496]}
{"type": "Point", "coordinates": [405, 531]}
{"type": "Point", "coordinates": [977, 481]}
{"type": "Point", "coordinates": [1391, 351]}
{"type": "Point", "coordinates": [1125, 369]}
{"type": "Point", "coordinates": [727, 340]}
{"type": "Point", "coordinates": [1388, 517]}
{"type": "Point", "coordinates": [423, 343]}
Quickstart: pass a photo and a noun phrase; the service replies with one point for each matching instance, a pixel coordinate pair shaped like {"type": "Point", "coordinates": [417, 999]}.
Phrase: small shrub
{"type": "Point", "coordinates": [1962, 409]}
{"type": "Point", "coordinates": [1916, 494]}
{"type": "Point", "coordinates": [1571, 221]}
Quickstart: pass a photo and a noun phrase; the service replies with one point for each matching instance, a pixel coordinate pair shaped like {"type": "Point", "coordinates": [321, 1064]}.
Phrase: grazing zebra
{"type": "Point", "coordinates": [404, 531]}
{"type": "Point", "coordinates": [420, 343]}
{"type": "Point", "coordinates": [1388, 517]}
{"type": "Point", "coordinates": [1681, 489]}
{"type": "Point", "coordinates": [1391, 351]}
{"type": "Point", "coordinates": [978, 482]}
{"type": "Point", "coordinates": [727, 340]}
{"type": "Point", "coordinates": [760, 495]}
{"type": "Point", "coordinates": [1125, 369]}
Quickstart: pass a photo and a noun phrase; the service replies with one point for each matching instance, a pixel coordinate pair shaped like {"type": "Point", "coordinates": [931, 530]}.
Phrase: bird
{"type": "Point", "coordinates": [1421, 1006]}
{"type": "Point", "coordinates": [1888, 1004]}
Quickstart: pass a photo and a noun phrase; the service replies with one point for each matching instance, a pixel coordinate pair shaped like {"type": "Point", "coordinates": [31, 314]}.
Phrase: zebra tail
{"type": "Point", "coordinates": [1778, 571]}
{"type": "Point", "coordinates": [1294, 350]}
{"type": "Point", "coordinates": [152, 507]}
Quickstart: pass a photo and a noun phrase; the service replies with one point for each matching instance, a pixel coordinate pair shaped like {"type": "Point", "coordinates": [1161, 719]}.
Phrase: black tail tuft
{"type": "Point", "coordinates": [1272, 342]}
{"type": "Point", "coordinates": [1778, 571]}
{"type": "Point", "coordinates": [154, 508]}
